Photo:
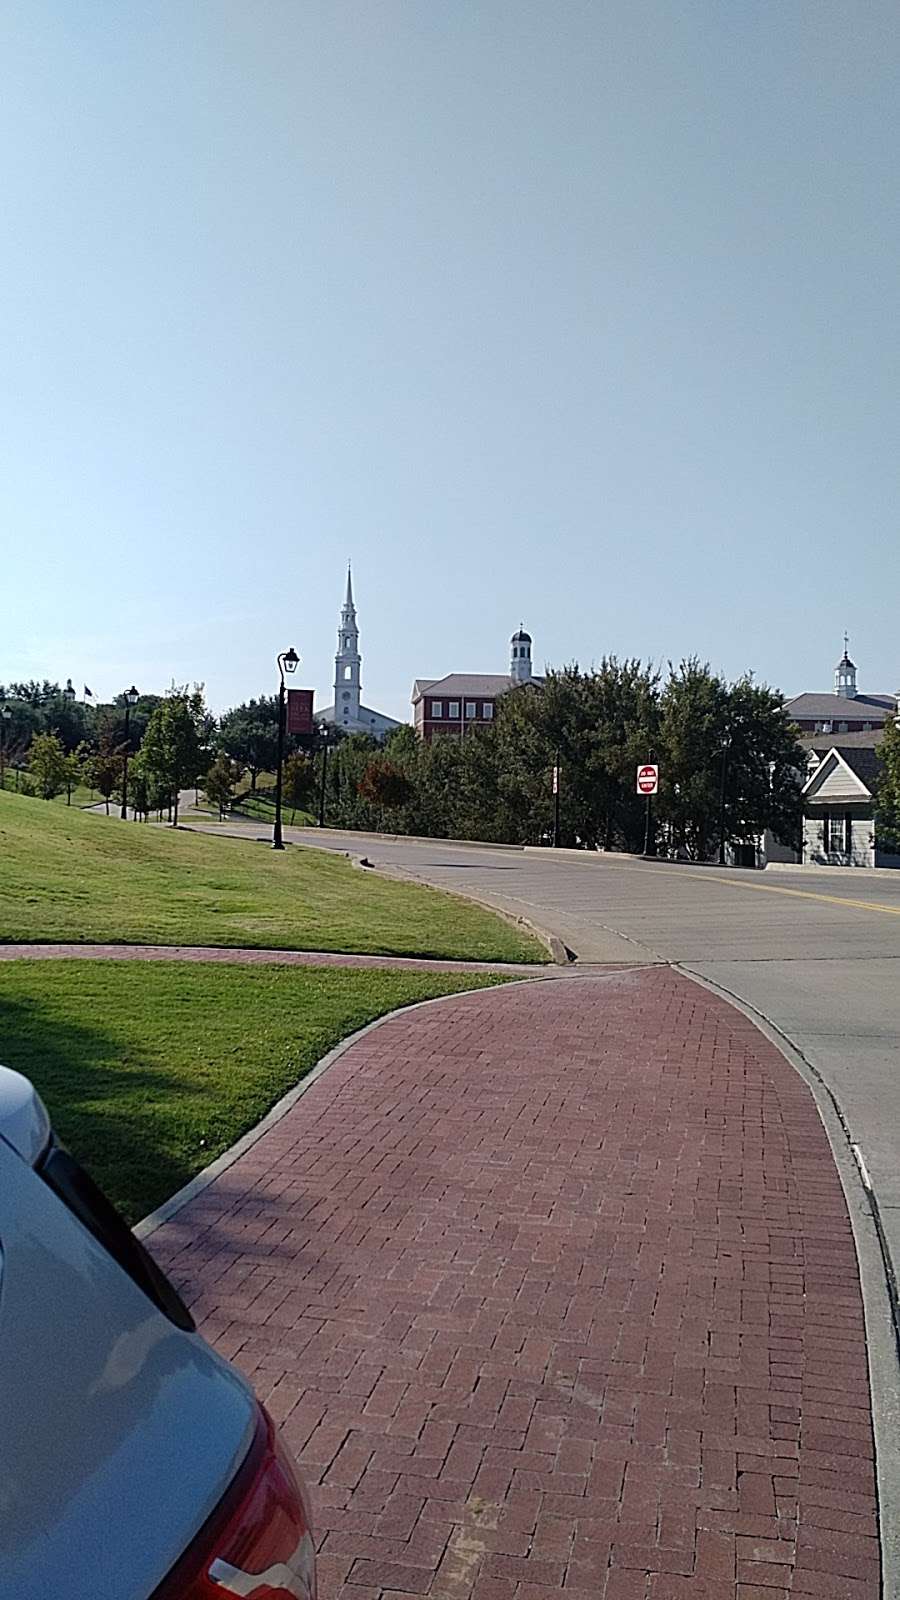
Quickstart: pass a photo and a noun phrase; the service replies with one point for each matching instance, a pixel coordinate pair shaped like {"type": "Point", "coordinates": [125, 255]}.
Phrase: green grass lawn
{"type": "Point", "coordinates": [68, 875]}
{"type": "Point", "coordinates": [261, 807]}
{"type": "Point", "coordinates": [81, 795]}
{"type": "Point", "coordinates": [150, 1071]}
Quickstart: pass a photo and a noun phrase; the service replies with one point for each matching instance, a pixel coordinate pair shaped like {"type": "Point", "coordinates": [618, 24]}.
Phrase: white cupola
{"type": "Point", "coordinates": [845, 675]}
{"type": "Point", "coordinates": [520, 656]}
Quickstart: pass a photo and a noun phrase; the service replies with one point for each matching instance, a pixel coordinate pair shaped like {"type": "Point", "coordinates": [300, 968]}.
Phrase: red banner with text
{"type": "Point", "coordinates": [300, 711]}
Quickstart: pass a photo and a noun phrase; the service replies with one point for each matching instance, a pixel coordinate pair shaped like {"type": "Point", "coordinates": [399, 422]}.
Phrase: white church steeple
{"type": "Point", "coordinates": [347, 663]}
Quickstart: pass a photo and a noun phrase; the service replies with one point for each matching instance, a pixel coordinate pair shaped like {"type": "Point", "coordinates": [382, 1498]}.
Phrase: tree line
{"type": "Point", "coordinates": [731, 762]}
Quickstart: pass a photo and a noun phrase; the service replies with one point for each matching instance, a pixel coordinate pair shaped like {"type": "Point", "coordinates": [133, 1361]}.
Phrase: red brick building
{"type": "Point", "coordinates": [449, 707]}
{"type": "Point", "coordinates": [844, 711]}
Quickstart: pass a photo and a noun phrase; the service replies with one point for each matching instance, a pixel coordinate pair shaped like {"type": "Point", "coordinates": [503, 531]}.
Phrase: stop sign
{"type": "Point", "coordinates": [647, 779]}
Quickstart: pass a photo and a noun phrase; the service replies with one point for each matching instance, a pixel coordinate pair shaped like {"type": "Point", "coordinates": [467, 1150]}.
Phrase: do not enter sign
{"type": "Point", "coordinates": [647, 779]}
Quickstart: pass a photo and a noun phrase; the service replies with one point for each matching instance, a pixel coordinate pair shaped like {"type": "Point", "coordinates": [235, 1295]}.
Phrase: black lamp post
{"type": "Point", "coordinates": [131, 698]}
{"type": "Point", "coordinates": [723, 789]}
{"type": "Point", "coordinates": [5, 714]}
{"type": "Point", "coordinates": [326, 743]}
{"type": "Point", "coordinates": [288, 661]}
{"type": "Point", "coordinates": [557, 834]}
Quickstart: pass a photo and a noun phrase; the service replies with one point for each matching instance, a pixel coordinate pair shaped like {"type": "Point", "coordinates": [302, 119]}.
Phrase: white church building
{"type": "Point", "coordinates": [347, 711]}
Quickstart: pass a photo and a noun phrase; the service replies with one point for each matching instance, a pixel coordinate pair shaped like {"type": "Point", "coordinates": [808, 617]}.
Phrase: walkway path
{"type": "Point", "coordinates": [553, 1288]}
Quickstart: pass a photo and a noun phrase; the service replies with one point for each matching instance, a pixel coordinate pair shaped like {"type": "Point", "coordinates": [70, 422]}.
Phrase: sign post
{"type": "Point", "coordinates": [648, 785]}
{"type": "Point", "coordinates": [556, 802]}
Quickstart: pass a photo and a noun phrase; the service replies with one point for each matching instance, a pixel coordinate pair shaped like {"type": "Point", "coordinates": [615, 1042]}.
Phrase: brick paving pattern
{"type": "Point", "coordinates": [553, 1289]}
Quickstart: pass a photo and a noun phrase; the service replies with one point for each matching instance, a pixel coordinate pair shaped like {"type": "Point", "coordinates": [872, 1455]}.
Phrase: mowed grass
{"type": "Point", "coordinates": [261, 807]}
{"type": "Point", "coordinates": [150, 1071]}
{"type": "Point", "coordinates": [67, 875]}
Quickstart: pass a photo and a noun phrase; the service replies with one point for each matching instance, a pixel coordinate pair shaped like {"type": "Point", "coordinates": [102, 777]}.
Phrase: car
{"type": "Point", "coordinates": [135, 1463]}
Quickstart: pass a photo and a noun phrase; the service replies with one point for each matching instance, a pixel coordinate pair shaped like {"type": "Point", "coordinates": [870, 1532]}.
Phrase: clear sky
{"type": "Point", "coordinates": [583, 315]}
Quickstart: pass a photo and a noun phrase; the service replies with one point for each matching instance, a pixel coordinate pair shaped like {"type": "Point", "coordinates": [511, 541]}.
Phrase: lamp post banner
{"type": "Point", "coordinates": [300, 710]}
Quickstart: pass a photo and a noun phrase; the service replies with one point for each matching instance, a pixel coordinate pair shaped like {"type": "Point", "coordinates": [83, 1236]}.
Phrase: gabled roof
{"type": "Point", "coordinates": [823, 742]}
{"type": "Point", "coordinates": [861, 765]}
{"type": "Point", "coordinates": [327, 714]}
{"type": "Point", "coordinates": [838, 708]}
{"type": "Point", "coordinates": [486, 684]}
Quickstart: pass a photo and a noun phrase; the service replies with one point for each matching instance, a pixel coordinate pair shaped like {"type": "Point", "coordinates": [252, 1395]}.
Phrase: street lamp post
{"type": "Point", "coordinates": [556, 786]}
{"type": "Point", "coordinates": [325, 742]}
{"type": "Point", "coordinates": [5, 714]}
{"type": "Point", "coordinates": [726, 749]}
{"type": "Point", "coordinates": [288, 661]}
{"type": "Point", "coordinates": [131, 698]}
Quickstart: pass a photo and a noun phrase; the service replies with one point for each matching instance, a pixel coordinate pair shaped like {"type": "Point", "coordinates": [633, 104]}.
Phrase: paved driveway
{"type": "Point", "coordinates": [817, 954]}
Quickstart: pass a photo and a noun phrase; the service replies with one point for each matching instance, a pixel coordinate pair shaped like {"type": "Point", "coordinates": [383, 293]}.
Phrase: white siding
{"type": "Point", "coordinates": [838, 785]}
{"type": "Point", "coordinates": [862, 852]}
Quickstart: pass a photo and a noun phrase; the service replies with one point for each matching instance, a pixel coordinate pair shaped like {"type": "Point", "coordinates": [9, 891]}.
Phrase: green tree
{"type": "Point", "coordinates": [102, 768]}
{"type": "Point", "coordinates": [75, 762]}
{"type": "Point", "coordinates": [249, 735]}
{"type": "Point", "coordinates": [171, 751]}
{"type": "Point", "coordinates": [385, 786]}
{"type": "Point", "coordinates": [299, 782]}
{"type": "Point", "coordinates": [730, 760]}
{"type": "Point", "coordinates": [691, 747]}
{"type": "Point", "coordinates": [139, 790]}
{"type": "Point", "coordinates": [220, 781]}
{"type": "Point", "coordinates": [47, 766]}
{"type": "Point", "coordinates": [887, 803]}
{"type": "Point", "coordinates": [36, 694]}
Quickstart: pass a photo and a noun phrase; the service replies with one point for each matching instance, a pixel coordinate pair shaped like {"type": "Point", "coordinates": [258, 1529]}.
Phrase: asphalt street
{"type": "Point", "coordinates": [816, 954]}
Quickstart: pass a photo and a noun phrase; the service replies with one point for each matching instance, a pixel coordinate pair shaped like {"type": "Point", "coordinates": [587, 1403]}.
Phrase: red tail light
{"type": "Point", "coordinates": [258, 1543]}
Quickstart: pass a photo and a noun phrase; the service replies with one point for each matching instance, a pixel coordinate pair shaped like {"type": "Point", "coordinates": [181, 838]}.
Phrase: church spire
{"type": "Point", "coordinates": [347, 664]}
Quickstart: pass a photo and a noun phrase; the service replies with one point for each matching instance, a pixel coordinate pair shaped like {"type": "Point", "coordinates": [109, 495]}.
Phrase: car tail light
{"type": "Point", "coordinates": [258, 1542]}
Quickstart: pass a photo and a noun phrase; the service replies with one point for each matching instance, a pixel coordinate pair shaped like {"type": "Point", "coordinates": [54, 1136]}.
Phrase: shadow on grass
{"type": "Point", "coordinates": [98, 1102]}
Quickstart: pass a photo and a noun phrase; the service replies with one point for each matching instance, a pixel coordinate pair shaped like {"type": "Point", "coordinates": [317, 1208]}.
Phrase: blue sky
{"type": "Point", "coordinates": [581, 315]}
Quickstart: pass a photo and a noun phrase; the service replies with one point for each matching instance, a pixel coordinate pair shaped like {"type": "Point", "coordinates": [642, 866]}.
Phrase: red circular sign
{"type": "Point", "coordinates": [647, 780]}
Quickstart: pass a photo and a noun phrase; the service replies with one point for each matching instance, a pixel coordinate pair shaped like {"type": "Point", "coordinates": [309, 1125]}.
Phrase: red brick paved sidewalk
{"type": "Point", "coordinates": [553, 1288]}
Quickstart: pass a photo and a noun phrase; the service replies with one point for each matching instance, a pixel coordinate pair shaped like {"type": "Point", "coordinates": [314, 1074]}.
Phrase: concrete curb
{"type": "Point", "coordinates": [875, 1274]}
{"type": "Point", "coordinates": [560, 954]}
{"type": "Point", "coordinates": [407, 838]}
{"type": "Point", "coordinates": [182, 1197]}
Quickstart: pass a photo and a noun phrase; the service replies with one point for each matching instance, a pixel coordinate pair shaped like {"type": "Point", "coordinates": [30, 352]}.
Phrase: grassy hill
{"type": "Point", "coordinates": [68, 875]}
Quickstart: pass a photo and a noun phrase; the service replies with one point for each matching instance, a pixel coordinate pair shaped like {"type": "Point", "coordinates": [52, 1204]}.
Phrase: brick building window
{"type": "Point", "coordinates": [470, 708]}
{"type": "Point", "coordinates": [453, 708]}
{"type": "Point", "coordinates": [437, 708]}
{"type": "Point", "coordinates": [487, 710]}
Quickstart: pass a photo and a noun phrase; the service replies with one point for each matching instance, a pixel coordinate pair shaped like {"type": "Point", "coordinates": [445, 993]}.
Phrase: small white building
{"type": "Point", "coordinates": [348, 711]}
{"type": "Point", "coordinates": [839, 808]}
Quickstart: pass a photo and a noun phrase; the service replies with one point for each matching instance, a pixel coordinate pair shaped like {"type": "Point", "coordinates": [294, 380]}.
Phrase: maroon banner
{"type": "Point", "coordinates": [300, 711]}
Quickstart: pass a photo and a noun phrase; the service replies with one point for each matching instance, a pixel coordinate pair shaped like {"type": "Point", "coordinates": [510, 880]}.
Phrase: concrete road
{"type": "Point", "coordinates": [817, 955]}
